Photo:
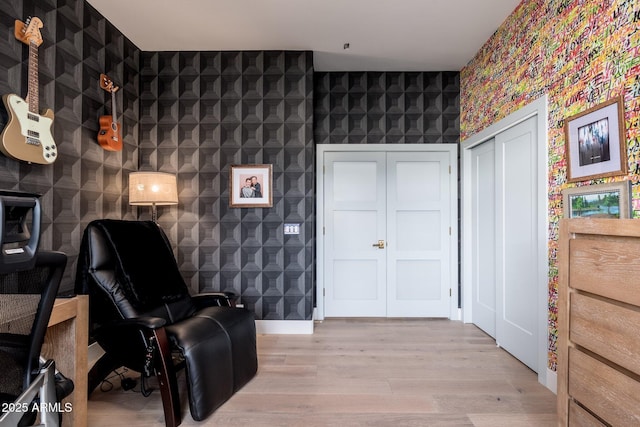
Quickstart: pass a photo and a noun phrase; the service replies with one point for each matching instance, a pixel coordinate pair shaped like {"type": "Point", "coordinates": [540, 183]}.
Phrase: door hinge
{"type": "Point", "coordinates": [449, 231]}
{"type": "Point", "coordinates": [324, 231]}
{"type": "Point", "coordinates": [324, 292]}
{"type": "Point", "coordinates": [449, 169]}
{"type": "Point", "coordinates": [449, 291]}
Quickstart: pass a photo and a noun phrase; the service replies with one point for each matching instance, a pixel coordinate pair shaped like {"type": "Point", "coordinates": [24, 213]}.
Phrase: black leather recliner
{"type": "Point", "coordinates": [142, 315]}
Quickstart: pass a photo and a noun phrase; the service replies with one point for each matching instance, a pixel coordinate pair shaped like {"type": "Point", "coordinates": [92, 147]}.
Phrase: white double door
{"type": "Point", "coordinates": [505, 256]}
{"type": "Point", "coordinates": [387, 242]}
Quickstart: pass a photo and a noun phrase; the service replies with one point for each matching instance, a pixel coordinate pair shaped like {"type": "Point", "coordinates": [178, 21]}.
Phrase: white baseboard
{"type": "Point", "coordinates": [552, 381]}
{"type": "Point", "coordinates": [284, 327]}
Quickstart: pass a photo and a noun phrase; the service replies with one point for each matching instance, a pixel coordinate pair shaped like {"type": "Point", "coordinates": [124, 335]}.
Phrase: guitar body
{"type": "Point", "coordinates": [27, 136]}
{"type": "Point", "coordinates": [109, 135]}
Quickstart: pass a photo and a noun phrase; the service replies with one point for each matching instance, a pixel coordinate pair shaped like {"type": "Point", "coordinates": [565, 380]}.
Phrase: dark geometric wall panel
{"type": "Point", "coordinates": [85, 182]}
{"type": "Point", "coordinates": [204, 111]}
{"type": "Point", "coordinates": [387, 107]}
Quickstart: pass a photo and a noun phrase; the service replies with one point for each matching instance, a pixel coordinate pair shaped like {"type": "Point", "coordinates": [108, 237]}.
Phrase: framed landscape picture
{"type": "Point", "coordinates": [597, 201]}
{"type": "Point", "coordinates": [596, 145]}
{"type": "Point", "coordinates": [250, 186]}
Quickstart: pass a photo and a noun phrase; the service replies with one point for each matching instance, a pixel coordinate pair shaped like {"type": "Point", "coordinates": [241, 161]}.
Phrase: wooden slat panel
{"type": "Point", "coordinates": [611, 395]}
{"type": "Point", "coordinates": [607, 268]}
{"type": "Point", "coordinates": [606, 329]}
{"type": "Point", "coordinates": [580, 417]}
{"type": "Point", "coordinates": [603, 227]}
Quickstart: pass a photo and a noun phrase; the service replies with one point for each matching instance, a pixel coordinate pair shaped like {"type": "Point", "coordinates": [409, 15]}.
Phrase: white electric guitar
{"type": "Point", "coordinates": [27, 134]}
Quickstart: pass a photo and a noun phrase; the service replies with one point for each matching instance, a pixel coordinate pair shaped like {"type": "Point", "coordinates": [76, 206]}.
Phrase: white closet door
{"type": "Point", "coordinates": [388, 245]}
{"type": "Point", "coordinates": [517, 211]}
{"type": "Point", "coordinates": [355, 212]}
{"type": "Point", "coordinates": [418, 230]}
{"type": "Point", "coordinates": [483, 226]}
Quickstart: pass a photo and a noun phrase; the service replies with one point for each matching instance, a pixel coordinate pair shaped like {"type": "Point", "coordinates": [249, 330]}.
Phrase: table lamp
{"type": "Point", "coordinates": [153, 189]}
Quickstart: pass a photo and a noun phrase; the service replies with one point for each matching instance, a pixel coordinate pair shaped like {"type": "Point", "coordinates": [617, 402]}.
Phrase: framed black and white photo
{"type": "Point", "coordinates": [597, 201]}
{"type": "Point", "coordinates": [250, 186]}
{"type": "Point", "coordinates": [595, 142]}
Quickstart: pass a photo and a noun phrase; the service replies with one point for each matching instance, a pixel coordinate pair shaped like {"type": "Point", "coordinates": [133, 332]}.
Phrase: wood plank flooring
{"type": "Point", "coordinates": [365, 372]}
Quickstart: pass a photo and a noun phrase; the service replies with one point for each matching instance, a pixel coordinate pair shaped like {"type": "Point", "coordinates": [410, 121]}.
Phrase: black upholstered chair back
{"type": "Point", "coordinates": [129, 269]}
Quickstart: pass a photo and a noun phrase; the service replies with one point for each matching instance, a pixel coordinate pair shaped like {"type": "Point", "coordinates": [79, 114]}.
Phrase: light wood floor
{"type": "Point", "coordinates": [365, 372]}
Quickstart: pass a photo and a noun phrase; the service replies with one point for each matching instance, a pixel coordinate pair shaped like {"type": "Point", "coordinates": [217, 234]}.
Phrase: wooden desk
{"type": "Point", "coordinates": [67, 343]}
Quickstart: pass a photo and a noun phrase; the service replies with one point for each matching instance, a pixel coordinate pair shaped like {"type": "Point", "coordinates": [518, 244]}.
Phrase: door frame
{"type": "Point", "coordinates": [538, 108]}
{"type": "Point", "coordinates": [321, 149]}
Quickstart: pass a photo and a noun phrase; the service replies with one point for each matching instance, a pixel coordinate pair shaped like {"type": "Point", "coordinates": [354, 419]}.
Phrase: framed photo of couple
{"type": "Point", "coordinates": [250, 186]}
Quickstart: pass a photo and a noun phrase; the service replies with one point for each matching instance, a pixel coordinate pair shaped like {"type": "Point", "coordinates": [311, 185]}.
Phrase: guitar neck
{"type": "Point", "coordinates": [32, 82]}
{"type": "Point", "coordinates": [114, 116]}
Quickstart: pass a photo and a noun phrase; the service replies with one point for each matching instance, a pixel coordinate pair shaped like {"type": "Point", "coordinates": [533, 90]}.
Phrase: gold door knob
{"type": "Point", "coordinates": [379, 245]}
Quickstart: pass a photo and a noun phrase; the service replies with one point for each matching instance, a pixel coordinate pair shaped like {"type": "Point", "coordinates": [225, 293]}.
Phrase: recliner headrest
{"type": "Point", "coordinates": [141, 256]}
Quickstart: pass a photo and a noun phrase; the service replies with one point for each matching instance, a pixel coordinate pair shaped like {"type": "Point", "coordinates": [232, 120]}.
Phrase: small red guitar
{"type": "Point", "coordinates": [109, 136]}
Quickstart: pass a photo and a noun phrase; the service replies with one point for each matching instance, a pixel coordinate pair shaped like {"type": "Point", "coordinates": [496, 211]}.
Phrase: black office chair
{"type": "Point", "coordinates": [29, 283]}
{"type": "Point", "coordinates": [26, 302]}
{"type": "Point", "coordinates": [144, 318]}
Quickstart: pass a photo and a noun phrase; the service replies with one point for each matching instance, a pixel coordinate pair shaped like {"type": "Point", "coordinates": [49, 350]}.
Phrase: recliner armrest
{"type": "Point", "coordinates": [209, 299]}
{"type": "Point", "coordinates": [146, 322]}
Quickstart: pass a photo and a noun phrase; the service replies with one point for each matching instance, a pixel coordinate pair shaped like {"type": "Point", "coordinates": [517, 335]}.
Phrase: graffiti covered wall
{"type": "Point", "coordinates": [580, 53]}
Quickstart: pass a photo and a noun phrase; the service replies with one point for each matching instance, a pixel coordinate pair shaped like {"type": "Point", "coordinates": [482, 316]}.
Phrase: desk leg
{"type": "Point", "coordinates": [67, 344]}
{"type": "Point", "coordinates": [82, 362]}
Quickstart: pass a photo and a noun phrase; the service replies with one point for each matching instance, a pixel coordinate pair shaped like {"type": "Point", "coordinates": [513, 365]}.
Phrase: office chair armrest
{"type": "Point", "coordinates": [208, 299]}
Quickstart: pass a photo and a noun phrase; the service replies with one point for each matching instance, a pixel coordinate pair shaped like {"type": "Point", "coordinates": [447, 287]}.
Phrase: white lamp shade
{"type": "Point", "coordinates": [152, 188]}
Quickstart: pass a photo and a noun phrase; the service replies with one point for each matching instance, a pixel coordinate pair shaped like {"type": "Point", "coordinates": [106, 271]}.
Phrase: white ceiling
{"type": "Point", "coordinates": [384, 35]}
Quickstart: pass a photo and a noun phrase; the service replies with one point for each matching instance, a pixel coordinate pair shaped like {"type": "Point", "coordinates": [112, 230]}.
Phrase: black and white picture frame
{"type": "Point", "coordinates": [595, 142]}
